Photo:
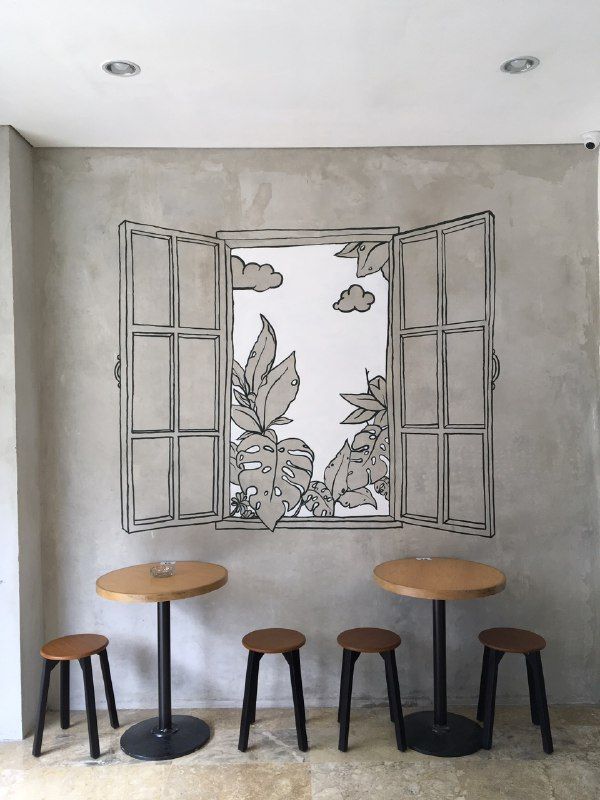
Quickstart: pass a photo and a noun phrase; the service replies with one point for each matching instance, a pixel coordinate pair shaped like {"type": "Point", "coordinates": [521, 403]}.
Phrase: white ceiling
{"type": "Point", "coordinates": [299, 73]}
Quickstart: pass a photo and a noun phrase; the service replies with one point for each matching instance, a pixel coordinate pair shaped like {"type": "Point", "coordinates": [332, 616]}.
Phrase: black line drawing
{"type": "Point", "coordinates": [258, 277]}
{"type": "Point", "coordinates": [354, 298]}
{"type": "Point", "coordinates": [426, 437]}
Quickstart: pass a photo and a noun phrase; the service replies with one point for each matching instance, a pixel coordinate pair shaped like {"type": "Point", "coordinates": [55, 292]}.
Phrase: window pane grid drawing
{"type": "Point", "coordinates": [173, 335]}
{"type": "Point", "coordinates": [446, 299]}
{"type": "Point", "coordinates": [176, 357]}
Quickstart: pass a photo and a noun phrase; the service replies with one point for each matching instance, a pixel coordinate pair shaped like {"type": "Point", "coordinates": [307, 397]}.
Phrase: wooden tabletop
{"type": "Point", "coordinates": [439, 578]}
{"type": "Point", "coordinates": [137, 585]}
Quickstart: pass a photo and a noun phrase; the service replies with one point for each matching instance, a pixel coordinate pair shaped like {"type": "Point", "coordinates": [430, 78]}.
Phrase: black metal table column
{"type": "Point", "coordinates": [166, 736]}
{"type": "Point", "coordinates": [437, 733]}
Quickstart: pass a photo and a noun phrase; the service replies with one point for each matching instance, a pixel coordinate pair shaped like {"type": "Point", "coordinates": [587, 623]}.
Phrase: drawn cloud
{"type": "Point", "coordinates": [354, 298]}
{"type": "Point", "coordinates": [258, 277]}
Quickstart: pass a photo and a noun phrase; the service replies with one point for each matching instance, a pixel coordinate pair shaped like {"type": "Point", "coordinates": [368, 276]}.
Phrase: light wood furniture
{"type": "Point", "coordinates": [273, 640]}
{"type": "Point", "coordinates": [440, 579]}
{"type": "Point", "coordinates": [166, 736]}
{"type": "Point", "coordinates": [496, 642]}
{"type": "Point", "coordinates": [369, 640]}
{"type": "Point", "coordinates": [77, 647]}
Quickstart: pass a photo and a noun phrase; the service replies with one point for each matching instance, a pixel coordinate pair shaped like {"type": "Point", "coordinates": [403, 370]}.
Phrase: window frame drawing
{"type": "Point", "coordinates": [226, 241]}
{"type": "Point", "coordinates": [443, 429]}
{"type": "Point", "coordinates": [124, 373]}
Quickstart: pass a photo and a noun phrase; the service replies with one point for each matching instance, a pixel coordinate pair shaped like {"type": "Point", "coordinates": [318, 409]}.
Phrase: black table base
{"type": "Point", "coordinates": [148, 742]}
{"type": "Point", "coordinates": [438, 733]}
{"type": "Point", "coordinates": [459, 737]}
{"type": "Point", "coordinates": [166, 736]}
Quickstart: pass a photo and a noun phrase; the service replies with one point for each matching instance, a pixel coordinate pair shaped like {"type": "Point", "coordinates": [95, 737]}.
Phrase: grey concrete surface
{"type": "Point", "coordinates": [545, 417]}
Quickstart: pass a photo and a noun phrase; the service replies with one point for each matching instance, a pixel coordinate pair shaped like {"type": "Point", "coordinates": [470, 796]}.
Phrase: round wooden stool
{"type": "Point", "coordinates": [369, 640]}
{"type": "Point", "coordinates": [496, 642]}
{"type": "Point", "coordinates": [287, 642]}
{"type": "Point", "coordinates": [78, 647]}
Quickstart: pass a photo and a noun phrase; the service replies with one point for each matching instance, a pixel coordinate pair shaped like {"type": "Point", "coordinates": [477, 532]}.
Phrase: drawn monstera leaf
{"type": "Point", "coordinates": [277, 391]}
{"type": "Point", "coordinates": [238, 377]}
{"type": "Point", "coordinates": [274, 475]}
{"type": "Point", "coordinates": [261, 357]}
{"type": "Point", "coordinates": [234, 470]}
{"type": "Point", "coordinates": [318, 500]}
{"type": "Point", "coordinates": [370, 457]}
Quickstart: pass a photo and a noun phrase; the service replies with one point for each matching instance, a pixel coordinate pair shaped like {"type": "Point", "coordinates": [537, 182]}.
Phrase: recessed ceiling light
{"type": "Point", "coordinates": [516, 66]}
{"type": "Point", "coordinates": [121, 68]}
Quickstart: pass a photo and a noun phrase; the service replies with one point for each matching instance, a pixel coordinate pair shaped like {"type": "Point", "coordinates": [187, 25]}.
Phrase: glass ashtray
{"type": "Point", "coordinates": [164, 569]}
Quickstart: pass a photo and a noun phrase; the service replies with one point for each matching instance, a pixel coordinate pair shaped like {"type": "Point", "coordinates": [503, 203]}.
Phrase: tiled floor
{"type": "Point", "coordinates": [273, 769]}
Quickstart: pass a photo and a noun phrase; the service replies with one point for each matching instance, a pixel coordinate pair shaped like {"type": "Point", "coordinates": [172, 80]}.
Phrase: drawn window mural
{"type": "Point", "coordinates": [308, 378]}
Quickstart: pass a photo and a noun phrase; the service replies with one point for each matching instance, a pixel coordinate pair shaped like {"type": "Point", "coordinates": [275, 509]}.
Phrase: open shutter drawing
{"type": "Point", "coordinates": [444, 287]}
{"type": "Point", "coordinates": [172, 372]}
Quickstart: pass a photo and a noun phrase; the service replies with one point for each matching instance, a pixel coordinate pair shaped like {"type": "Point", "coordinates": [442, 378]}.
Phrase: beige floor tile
{"type": "Point", "coordinates": [503, 780]}
{"type": "Point", "coordinates": [387, 781]}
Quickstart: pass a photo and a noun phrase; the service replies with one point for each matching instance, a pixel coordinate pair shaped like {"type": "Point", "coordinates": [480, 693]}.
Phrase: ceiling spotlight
{"type": "Point", "coordinates": [121, 68]}
{"type": "Point", "coordinates": [516, 66]}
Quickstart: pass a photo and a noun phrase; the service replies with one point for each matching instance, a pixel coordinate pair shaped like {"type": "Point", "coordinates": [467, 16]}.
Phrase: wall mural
{"type": "Point", "coordinates": [308, 378]}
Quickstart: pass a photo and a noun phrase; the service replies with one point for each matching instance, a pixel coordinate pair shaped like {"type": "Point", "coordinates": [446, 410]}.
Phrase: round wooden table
{"type": "Point", "coordinates": [166, 736]}
{"type": "Point", "coordinates": [439, 579]}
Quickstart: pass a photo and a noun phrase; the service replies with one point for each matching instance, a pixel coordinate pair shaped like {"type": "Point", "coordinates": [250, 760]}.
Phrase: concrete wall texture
{"type": "Point", "coordinates": [20, 564]}
{"type": "Point", "coordinates": [545, 419]}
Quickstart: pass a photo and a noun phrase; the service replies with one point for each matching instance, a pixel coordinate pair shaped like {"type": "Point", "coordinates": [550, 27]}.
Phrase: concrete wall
{"type": "Point", "coordinates": [20, 562]}
{"type": "Point", "coordinates": [546, 439]}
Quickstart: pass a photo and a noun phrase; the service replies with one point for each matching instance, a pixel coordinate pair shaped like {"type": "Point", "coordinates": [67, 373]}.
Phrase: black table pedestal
{"type": "Point", "coordinates": [166, 736]}
{"type": "Point", "coordinates": [437, 733]}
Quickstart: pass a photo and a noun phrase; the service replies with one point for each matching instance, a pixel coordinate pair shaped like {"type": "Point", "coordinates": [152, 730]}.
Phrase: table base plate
{"type": "Point", "coordinates": [144, 741]}
{"type": "Point", "coordinates": [461, 736]}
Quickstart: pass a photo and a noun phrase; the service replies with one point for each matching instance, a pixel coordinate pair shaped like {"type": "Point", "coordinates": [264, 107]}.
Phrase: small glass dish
{"type": "Point", "coordinates": [164, 569]}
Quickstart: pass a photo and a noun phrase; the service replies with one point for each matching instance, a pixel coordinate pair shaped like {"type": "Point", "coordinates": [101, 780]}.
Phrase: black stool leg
{"type": "Point", "coordinates": [249, 704]}
{"type": "Point", "coordinates": [535, 660]}
{"type": "Point", "coordinates": [254, 688]}
{"type": "Point", "coordinates": [535, 717]}
{"type": "Point", "coordinates": [389, 689]}
{"type": "Point", "coordinates": [493, 659]}
{"type": "Point", "coordinates": [341, 700]}
{"type": "Point", "coordinates": [108, 688]}
{"type": "Point", "coordinates": [293, 659]}
{"type": "Point", "coordinates": [64, 694]}
{"type": "Point", "coordinates": [348, 662]}
{"type": "Point", "coordinates": [47, 668]}
{"type": "Point", "coordinates": [391, 672]}
{"type": "Point", "coordinates": [481, 701]}
{"type": "Point", "coordinates": [90, 705]}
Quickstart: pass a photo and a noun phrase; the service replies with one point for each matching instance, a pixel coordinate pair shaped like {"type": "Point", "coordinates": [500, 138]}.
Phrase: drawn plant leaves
{"type": "Point", "coordinates": [369, 457]}
{"type": "Point", "coordinates": [282, 421]}
{"type": "Point", "coordinates": [358, 497]}
{"type": "Point", "coordinates": [349, 251]}
{"type": "Point", "coordinates": [234, 470]}
{"type": "Point", "coordinates": [385, 270]}
{"type": "Point", "coordinates": [261, 356]}
{"type": "Point", "coordinates": [274, 475]}
{"type": "Point", "coordinates": [277, 391]}
{"type": "Point", "coordinates": [371, 258]}
{"type": "Point", "coordinates": [245, 418]}
{"type": "Point", "coordinates": [358, 416]}
{"type": "Point", "coordinates": [241, 398]}
{"type": "Point", "coordinates": [366, 401]}
{"type": "Point", "coordinates": [237, 375]}
{"type": "Point", "coordinates": [318, 500]}
{"type": "Point", "coordinates": [336, 472]}
{"type": "Point", "coordinates": [380, 419]}
{"type": "Point", "coordinates": [382, 487]}
{"type": "Point", "coordinates": [378, 388]}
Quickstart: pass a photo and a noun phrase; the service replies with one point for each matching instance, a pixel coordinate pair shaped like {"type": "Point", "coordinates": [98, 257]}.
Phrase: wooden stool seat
{"type": "Point", "coordinates": [72, 648]}
{"type": "Point", "coordinates": [512, 640]}
{"type": "Point", "coordinates": [368, 640]}
{"type": "Point", "coordinates": [274, 640]}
